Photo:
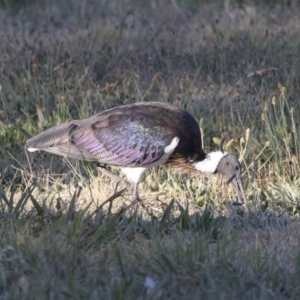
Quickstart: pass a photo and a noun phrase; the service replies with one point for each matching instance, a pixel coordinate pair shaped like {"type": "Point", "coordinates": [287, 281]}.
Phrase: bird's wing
{"type": "Point", "coordinates": [117, 139]}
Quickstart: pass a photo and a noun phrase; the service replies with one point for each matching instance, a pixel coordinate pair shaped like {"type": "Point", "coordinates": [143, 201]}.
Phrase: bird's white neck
{"type": "Point", "coordinates": [210, 163]}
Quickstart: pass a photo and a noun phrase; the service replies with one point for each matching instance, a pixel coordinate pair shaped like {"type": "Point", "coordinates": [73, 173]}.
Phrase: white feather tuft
{"type": "Point", "coordinates": [32, 149]}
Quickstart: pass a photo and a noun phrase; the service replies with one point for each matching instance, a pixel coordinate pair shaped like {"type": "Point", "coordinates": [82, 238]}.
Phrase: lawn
{"type": "Point", "coordinates": [68, 232]}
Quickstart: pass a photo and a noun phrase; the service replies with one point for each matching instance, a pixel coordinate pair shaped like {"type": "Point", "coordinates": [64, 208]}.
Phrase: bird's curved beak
{"type": "Point", "coordinates": [237, 182]}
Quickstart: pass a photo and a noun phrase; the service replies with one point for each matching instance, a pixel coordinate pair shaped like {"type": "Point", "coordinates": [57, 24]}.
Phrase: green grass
{"type": "Point", "coordinates": [67, 232]}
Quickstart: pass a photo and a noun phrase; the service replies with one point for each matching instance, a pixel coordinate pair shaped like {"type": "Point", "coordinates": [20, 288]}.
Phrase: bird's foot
{"type": "Point", "coordinates": [138, 201]}
{"type": "Point", "coordinates": [135, 195]}
{"type": "Point", "coordinates": [136, 206]}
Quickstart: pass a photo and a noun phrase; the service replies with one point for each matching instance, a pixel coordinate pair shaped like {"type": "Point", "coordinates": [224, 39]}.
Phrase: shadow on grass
{"type": "Point", "coordinates": [85, 228]}
{"type": "Point", "coordinates": [118, 253]}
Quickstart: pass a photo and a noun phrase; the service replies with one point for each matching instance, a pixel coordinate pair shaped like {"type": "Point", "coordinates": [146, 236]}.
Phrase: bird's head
{"type": "Point", "coordinates": [230, 166]}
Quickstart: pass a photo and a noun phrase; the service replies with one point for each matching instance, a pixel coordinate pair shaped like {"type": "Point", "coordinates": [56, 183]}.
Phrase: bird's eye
{"type": "Point", "coordinates": [227, 163]}
{"type": "Point", "coordinates": [237, 168]}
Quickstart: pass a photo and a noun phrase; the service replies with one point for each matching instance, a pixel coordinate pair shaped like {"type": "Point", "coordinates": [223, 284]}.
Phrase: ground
{"type": "Point", "coordinates": [68, 232]}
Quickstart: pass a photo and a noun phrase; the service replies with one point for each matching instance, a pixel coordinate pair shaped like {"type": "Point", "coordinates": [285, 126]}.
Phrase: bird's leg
{"type": "Point", "coordinates": [131, 187]}
{"type": "Point", "coordinates": [134, 193]}
{"type": "Point", "coordinates": [136, 200]}
{"type": "Point", "coordinates": [113, 176]}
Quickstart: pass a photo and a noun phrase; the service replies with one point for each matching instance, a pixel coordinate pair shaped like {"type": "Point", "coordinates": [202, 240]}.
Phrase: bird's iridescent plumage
{"type": "Point", "coordinates": [132, 135]}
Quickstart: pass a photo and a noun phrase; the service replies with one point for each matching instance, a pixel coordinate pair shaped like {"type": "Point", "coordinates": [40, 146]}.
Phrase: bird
{"type": "Point", "coordinates": [136, 137]}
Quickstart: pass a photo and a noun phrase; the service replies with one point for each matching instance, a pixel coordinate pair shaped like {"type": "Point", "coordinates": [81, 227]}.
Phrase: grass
{"type": "Point", "coordinates": [68, 232]}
